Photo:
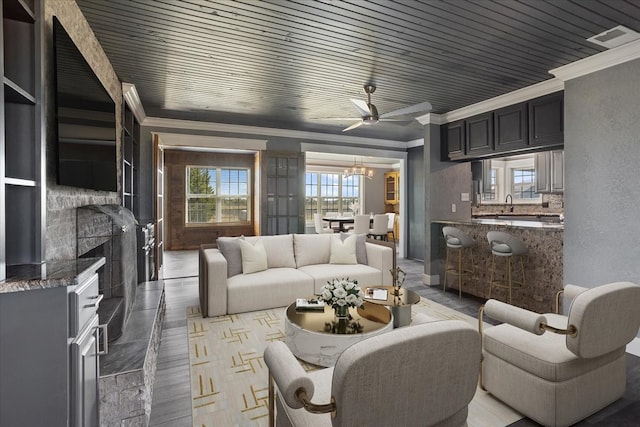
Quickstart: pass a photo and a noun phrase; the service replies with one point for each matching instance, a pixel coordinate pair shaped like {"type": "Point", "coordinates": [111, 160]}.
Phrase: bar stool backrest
{"type": "Point", "coordinates": [497, 237]}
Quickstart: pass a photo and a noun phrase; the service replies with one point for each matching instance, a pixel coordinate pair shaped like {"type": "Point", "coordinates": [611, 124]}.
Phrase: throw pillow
{"type": "Point", "coordinates": [311, 249]}
{"type": "Point", "coordinates": [361, 247]}
{"type": "Point", "coordinates": [230, 249]}
{"type": "Point", "coordinates": [279, 250]}
{"type": "Point", "coordinates": [254, 256]}
{"type": "Point", "coordinates": [343, 251]}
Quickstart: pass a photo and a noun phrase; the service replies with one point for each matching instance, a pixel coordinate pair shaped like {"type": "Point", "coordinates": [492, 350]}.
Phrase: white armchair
{"type": "Point", "coordinates": [421, 375]}
{"type": "Point", "coordinates": [562, 377]}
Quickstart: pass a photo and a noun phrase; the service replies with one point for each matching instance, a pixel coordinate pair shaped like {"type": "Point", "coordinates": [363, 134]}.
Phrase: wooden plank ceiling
{"type": "Point", "coordinates": [292, 64]}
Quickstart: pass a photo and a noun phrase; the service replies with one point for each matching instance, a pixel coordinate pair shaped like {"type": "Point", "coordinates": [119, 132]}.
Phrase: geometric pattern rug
{"type": "Point", "coordinates": [229, 377]}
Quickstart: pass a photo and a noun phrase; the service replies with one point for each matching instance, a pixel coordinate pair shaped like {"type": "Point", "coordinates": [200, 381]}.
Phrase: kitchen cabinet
{"type": "Point", "coordinates": [518, 128]}
{"type": "Point", "coordinates": [49, 353]}
{"type": "Point", "coordinates": [455, 139]}
{"type": "Point", "coordinates": [546, 120]}
{"type": "Point", "coordinates": [479, 135]}
{"type": "Point", "coordinates": [549, 167]}
{"type": "Point", "coordinates": [510, 128]}
{"type": "Point", "coordinates": [392, 188]}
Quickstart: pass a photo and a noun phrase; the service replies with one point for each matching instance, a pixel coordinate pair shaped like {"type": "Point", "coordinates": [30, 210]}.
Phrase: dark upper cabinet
{"type": "Point", "coordinates": [510, 128]}
{"type": "Point", "coordinates": [479, 138]}
{"type": "Point", "coordinates": [455, 138]}
{"type": "Point", "coordinates": [546, 120]}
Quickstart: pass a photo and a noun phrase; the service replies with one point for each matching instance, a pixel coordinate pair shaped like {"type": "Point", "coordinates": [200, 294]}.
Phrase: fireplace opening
{"type": "Point", "coordinates": [109, 231]}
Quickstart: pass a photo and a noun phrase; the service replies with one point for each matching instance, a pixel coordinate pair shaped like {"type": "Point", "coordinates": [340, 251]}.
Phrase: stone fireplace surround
{"type": "Point", "coordinates": [109, 231]}
{"type": "Point", "coordinates": [127, 371]}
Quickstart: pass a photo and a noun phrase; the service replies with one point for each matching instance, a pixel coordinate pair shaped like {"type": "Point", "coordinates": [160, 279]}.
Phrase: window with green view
{"type": "Point", "coordinates": [217, 195]}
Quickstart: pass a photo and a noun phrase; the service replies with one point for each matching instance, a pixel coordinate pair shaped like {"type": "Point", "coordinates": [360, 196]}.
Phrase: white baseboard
{"type": "Point", "coordinates": [634, 347]}
{"type": "Point", "coordinates": [431, 279]}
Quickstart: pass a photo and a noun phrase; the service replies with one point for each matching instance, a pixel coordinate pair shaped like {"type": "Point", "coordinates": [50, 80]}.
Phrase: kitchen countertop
{"type": "Point", "coordinates": [51, 274]}
{"type": "Point", "coordinates": [541, 225]}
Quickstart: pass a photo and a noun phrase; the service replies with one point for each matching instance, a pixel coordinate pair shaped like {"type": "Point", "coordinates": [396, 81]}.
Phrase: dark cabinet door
{"type": "Point", "coordinates": [546, 120]}
{"type": "Point", "coordinates": [510, 128]}
{"type": "Point", "coordinates": [479, 134]}
{"type": "Point", "coordinates": [454, 139]}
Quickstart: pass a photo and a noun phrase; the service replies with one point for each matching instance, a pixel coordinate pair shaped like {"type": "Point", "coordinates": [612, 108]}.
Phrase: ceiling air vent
{"type": "Point", "coordinates": [614, 37]}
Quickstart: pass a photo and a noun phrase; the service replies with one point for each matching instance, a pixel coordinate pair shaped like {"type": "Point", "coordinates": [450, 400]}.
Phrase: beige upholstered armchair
{"type": "Point", "coordinates": [423, 375]}
{"type": "Point", "coordinates": [561, 377]}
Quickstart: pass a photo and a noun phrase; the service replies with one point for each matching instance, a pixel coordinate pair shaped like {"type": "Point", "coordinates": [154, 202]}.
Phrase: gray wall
{"type": "Point", "coordinates": [374, 192]}
{"type": "Point", "coordinates": [443, 183]}
{"type": "Point", "coordinates": [415, 203]}
{"type": "Point", "coordinates": [602, 178]}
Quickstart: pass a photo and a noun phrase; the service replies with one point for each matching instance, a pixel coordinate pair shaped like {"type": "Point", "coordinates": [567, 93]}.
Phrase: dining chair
{"type": "Point", "coordinates": [320, 228]}
{"type": "Point", "coordinates": [361, 224]}
{"type": "Point", "coordinates": [379, 230]}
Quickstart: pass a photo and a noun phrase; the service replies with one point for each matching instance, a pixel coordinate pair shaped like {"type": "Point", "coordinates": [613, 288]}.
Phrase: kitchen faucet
{"type": "Point", "coordinates": [506, 200]}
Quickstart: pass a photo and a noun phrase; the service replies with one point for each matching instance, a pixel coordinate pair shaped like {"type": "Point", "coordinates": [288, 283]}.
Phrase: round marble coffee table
{"type": "Point", "coordinates": [317, 336]}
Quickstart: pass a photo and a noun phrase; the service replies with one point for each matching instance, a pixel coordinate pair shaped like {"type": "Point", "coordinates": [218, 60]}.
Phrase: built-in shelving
{"type": "Point", "coordinates": [22, 178]}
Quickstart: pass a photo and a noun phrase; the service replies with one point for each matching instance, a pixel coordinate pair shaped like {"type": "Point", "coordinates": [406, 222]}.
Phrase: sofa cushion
{"type": "Point", "coordinates": [279, 250]}
{"type": "Point", "coordinates": [343, 251]}
{"type": "Point", "coordinates": [322, 273]}
{"type": "Point", "coordinates": [311, 249]}
{"type": "Point", "coordinates": [254, 256]}
{"type": "Point", "coordinates": [361, 246]}
{"type": "Point", "coordinates": [274, 287]}
{"type": "Point", "coordinates": [230, 249]}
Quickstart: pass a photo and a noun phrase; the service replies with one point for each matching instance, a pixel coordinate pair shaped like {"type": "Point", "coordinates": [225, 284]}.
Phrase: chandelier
{"type": "Point", "coordinates": [358, 170]}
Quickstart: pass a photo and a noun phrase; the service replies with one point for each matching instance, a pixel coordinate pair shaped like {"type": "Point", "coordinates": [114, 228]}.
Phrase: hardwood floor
{"type": "Point", "coordinates": [171, 402]}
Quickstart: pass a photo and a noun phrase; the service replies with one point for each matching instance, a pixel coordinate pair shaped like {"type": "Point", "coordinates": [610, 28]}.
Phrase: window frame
{"type": "Point", "coordinates": [343, 201]}
{"type": "Point", "coordinates": [218, 196]}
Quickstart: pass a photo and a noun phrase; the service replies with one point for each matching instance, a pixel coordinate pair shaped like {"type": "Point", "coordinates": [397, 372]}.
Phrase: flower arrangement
{"type": "Point", "coordinates": [339, 293]}
{"type": "Point", "coordinates": [355, 207]}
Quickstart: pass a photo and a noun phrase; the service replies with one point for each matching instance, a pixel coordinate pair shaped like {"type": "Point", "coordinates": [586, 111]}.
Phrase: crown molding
{"type": "Point", "coordinates": [599, 61]}
{"type": "Point", "coordinates": [431, 118]}
{"type": "Point", "coordinates": [158, 122]}
{"type": "Point", "coordinates": [183, 141]}
{"type": "Point", "coordinates": [131, 97]}
{"type": "Point", "coordinates": [415, 143]}
{"type": "Point", "coordinates": [539, 89]}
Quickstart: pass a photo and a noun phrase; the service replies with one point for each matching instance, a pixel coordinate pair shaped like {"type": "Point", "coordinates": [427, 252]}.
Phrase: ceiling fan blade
{"type": "Point", "coordinates": [335, 118]}
{"type": "Point", "coordinates": [353, 126]}
{"type": "Point", "coordinates": [362, 107]}
{"type": "Point", "coordinates": [422, 107]}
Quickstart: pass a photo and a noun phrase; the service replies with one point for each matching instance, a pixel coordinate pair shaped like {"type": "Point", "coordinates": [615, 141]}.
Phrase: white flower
{"type": "Point", "coordinates": [349, 286]}
{"type": "Point", "coordinates": [341, 302]}
{"type": "Point", "coordinates": [351, 299]}
{"type": "Point", "coordinates": [340, 292]}
{"type": "Point", "coordinates": [326, 294]}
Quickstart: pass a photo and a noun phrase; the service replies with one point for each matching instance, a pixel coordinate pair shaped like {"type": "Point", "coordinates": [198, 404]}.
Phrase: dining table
{"type": "Point", "coordinates": [341, 220]}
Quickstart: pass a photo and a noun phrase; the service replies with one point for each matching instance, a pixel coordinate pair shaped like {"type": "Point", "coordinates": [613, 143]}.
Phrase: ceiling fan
{"type": "Point", "coordinates": [369, 112]}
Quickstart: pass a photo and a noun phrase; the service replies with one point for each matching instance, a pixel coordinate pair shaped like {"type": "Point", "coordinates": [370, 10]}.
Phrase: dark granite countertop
{"type": "Point", "coordinates": [539, 225]}
{"type": "Point", "coordinates": [51, 274]}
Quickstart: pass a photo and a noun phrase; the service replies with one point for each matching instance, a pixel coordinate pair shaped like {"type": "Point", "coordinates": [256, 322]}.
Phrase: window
{"type": "Point", "coordinates": [523, 184]}
{"type": "Point", "coordinates": [514, 175]}
{"type": "Point", "coordinates": [217, 195]}
{"type": "Point", "coordinates": [329, 192]}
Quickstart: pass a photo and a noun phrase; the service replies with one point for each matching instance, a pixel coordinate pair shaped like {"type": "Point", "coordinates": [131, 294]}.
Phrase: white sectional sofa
{"type": "Point", "coordinates": [297, 266]}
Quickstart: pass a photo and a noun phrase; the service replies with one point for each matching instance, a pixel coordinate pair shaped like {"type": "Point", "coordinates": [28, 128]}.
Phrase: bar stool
{"type": "Point", "coordinates": [457, 241]}
{"type": "Point", "coordinates": [506, 246]}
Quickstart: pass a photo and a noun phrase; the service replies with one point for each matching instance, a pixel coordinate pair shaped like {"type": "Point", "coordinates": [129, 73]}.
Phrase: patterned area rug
{"type": "Point", "coordinates": [229, 376]}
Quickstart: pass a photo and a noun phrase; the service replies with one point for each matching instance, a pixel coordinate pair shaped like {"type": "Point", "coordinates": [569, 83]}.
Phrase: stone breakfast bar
{"type": "Point", "coordinates": [543, 265]}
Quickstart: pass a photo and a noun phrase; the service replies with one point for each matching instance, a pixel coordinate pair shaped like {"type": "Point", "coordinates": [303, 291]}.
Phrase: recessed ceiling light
{"type": "Point", "coordinates": [614, 37]}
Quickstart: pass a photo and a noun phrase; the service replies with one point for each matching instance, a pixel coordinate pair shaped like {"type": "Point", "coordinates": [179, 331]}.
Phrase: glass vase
{"type": "Point", "coordinates": [341, 312]}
